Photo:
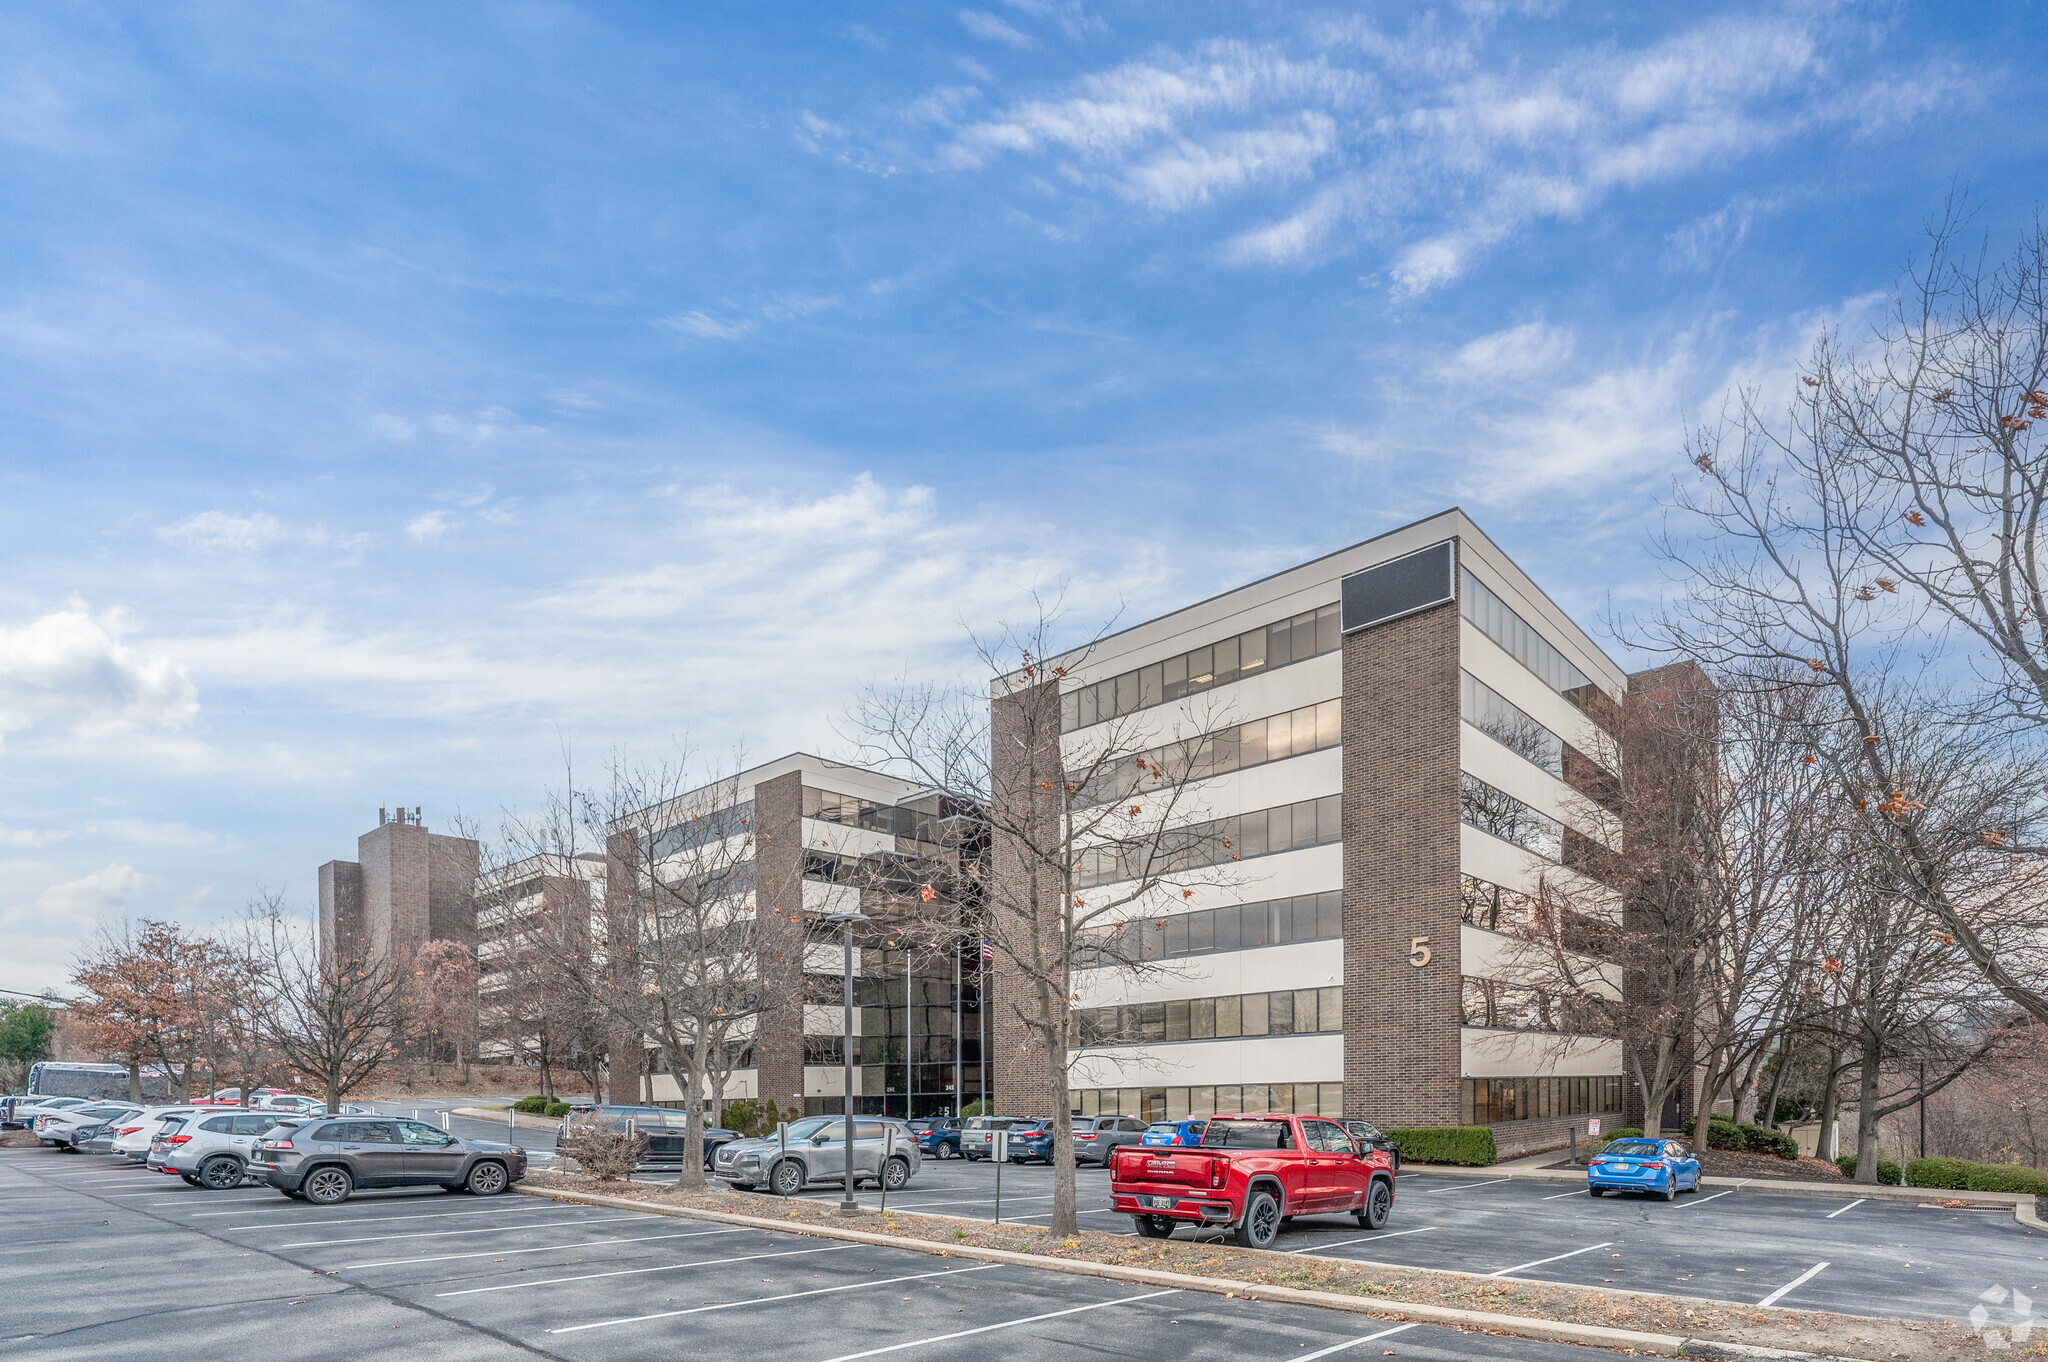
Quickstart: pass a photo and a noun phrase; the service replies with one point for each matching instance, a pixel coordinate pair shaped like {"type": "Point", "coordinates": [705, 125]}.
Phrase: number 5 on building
{"type": "Point", "coordinates": [1418, 951]}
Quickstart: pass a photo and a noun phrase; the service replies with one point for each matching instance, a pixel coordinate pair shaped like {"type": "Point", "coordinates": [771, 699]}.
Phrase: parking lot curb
{"type": "Point", "coordinates": [1522, 1326]}
{"type": "Point", "coordinates": [2021, 1202]}
{"type": "Point", "coordinates": [519, 1118]}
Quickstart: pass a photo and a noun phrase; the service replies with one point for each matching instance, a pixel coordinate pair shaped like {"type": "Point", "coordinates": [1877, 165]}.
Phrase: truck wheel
{"type": "Point", "coordinates": [1261, 1223]}
{"type": "Point", "coordinates": [1153, 1226]}
{"type": "Point", "coordinates": [1379, 1204]}
{"type": "Point", "coordinates": [786, 1178]}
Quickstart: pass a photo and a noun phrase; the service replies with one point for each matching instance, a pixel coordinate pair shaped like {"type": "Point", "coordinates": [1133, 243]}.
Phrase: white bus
{"type": "Point", "coordinates": [54, 1078]}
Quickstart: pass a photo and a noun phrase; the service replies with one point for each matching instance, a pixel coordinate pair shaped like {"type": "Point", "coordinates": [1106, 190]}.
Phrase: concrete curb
{"type": "Point", "coordinates": [2024, 1213]}
{"type": "Point", "coordinates": [1848, 1191]}
{"type": "Point", "coordinates": [1520, 1326]}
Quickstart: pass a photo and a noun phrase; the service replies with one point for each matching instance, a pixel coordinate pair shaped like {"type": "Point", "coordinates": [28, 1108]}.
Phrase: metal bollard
{"type": "Point", "coordinates": [888, 1153]}
{"type": "Point", "coordinates": [782, 1141]}
{"type": "Point", "coordinates": [999, 1150]}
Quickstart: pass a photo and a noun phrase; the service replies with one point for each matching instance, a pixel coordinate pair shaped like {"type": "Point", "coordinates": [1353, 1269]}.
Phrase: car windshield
{"type": "Point", "coordinates": [1634, 1148]}
{"type": "Point", "coordinates": [810, 1126]}
{"type": "Point", "coordinates": [1247, 1135]}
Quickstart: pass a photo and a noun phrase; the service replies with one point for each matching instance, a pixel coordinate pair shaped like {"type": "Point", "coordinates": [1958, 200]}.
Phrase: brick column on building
{"type": "Point", "coordinates": [1401, 763]}
{"type": "Point", "coordinates": [625, 1046]}
{"type": "Point", "coordinates": [779, 918]}
{"type": "Point", "coordinates": [341, 910]}
{"type": "Point", "coordinates": [1025, 732]}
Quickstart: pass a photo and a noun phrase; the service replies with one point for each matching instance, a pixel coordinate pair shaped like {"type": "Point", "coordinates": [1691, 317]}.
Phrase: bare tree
{"type": "Point", "coordinates": [1090, 831]}
{"type": "Point", "coordinates": [336, 1019]}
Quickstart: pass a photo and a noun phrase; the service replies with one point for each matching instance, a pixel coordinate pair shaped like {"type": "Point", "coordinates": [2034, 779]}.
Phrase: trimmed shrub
{"type": "Point", "coordinates": [1723, 1133]}
{"type": "Point", "coordinates": [1468, 1145]}
{"type": "Point", "coordinates": [2007, 1177]}
{"type": "Point", "coordinates": [975, 1108]}
{"type": "Point", "coordinates": [751, 1117]}
{"type": "Point", "coordinates": [607, 1155]}
{"type": "Point", "coordinates": [1887, 1171]}
{"type": "Point", "coordinates": [555, 1109]}
{"type": "Point", "coordinates": [1625, 1133]}
{"type": "Point", "coordinates": [532, 1106]}
{"type": "Point", "coordinates": [1950, 1173]}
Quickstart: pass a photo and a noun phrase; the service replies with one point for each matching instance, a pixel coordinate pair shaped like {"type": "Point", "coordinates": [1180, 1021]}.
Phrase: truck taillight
{"type": "Point", "coordinates": [1216, 1172]}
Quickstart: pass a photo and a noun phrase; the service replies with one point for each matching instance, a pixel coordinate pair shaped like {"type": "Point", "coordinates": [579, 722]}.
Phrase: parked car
{"type": "Point", "coordinates": [55, 1128]}
{"type": "Point", "coordinates": [666, 1129]}
{"type": "Point", "coordinates": [1031, 1141]}
{"type": "Point", "coordinates": [1096, 1138]}
{"type": "Point", "coordinates": [21, 1110]}
{"type": "Point", "coordinates": [1664, 1167]}
{"type": "Point", "coordinates": [132, 1134]}
{"type": "Point", "coordinates": [1174, 1132]}
{"type": "Point", "coordinates": [212, 1148]}
{"type": "Point", "coordinates": [325, 1159]}
{"type": "Point", "coordinates": [938, 1136]}
{"type": "Point", "coordinates": [978, 1136]}
{"type": "Point", "coordinates": [1370, 1136]}
{"type": "Point", "coordinates": [290, 1101]}
{"type": "Point", "coordinates": [1251, 1173]}
{"type": "Point", "coordinates": [816, 1152]}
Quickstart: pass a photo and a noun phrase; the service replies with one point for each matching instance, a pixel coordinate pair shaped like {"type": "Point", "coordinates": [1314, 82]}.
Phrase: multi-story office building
{"type": "Point", "coordinates": [831, 838]}
{"type": "Point", "coordinates": [406, 887]}
{"type": "Point", "coordinates": [1400, 739]}
{"type": "Point", "coordinates": [528, 910]}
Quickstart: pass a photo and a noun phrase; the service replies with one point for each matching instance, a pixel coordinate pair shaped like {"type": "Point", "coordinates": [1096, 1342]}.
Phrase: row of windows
{"type": "Point", "coordinates": [1289, 827]}
{"type": "Point", "coordinates": [1292, 1012]}
{"type": "Point", "coordinates": [1502, 1006]}
{"type": "Point", "coordinates": [1501, 719]}
{"type": "Point", "coordinates": [1483, 903]}
{"type": "Point", "coordinates": [852, 811]}
{"type": "Point", "coordinates": [1502, 815]}
{"type": "Point", "coordinates": [1486, 1101]}
{"type": "Point", "coordinates": [1206, 931]}
{"type": "Point", "coordinates": [1274, 738]}
{"type": "Point", "coordinates": [1297, 639]}
{"type": "Point", "coordinates": [701, 829]}
{"type": "Point", "coordinates": [1497, 620]}
{"type": "Point", "coordinates": [1195, 1103]}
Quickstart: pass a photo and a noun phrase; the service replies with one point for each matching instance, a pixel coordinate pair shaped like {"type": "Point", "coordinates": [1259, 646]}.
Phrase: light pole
{"type": "Point", "coordinates": [845, 921]}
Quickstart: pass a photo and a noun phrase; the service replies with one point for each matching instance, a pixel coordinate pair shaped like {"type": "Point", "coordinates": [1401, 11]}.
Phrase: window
{"type": "Point", "coordinates": [420, 1133]}
{"type": "Point", "coordinates": [1295, 1012]}
{"type": "Point", "coordinates": [1502, 720]}
{"type": "Point", "coordinates": [1495, 619]}
{"type": "Point", "coordinates": [1288, 827]}
{"type": "Point", "coordinates": [1312, 728]}
{"type": "Point", "coordinates": [1247, 1135]}
{"type": "Point", "coordinates": [1502, 1006]}
{"type": "Point", "coordinates": [701, 829]}
{"type": "Point", "coordinates": [1502, 815]}
{"type": "Point", "coordinates": [898, 820]}
{"type": "Point", "coordinates": [255, 1125]}
{"type": "Point", "coordinates": [1489, 1101]}
{"type": "Point", "coordinates": [1237, 926]}
{"type": "Point", "coordinates": [1401, 586]}
{"type": "Point", "coordinates": [1328, 1138]}
{"type": "Point", "coordinates": [1297, 639]}
{"type": "Point", "coordinates": [1488, 905]}
{"type": "Point", "coordinates": [219, 1125]}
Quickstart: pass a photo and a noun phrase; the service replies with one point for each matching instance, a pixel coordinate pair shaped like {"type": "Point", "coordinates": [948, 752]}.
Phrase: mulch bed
{"type": "Point", "coordinates": [1726, 1163]}
{"type": "Point", "coordinates": [1799, 1330]}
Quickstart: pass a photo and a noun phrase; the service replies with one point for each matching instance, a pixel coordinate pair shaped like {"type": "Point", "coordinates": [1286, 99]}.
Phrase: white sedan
{"type": "Point", "coordinates": [55, 1127]}
{"type": "Point", "coordinates": [133, 1134]}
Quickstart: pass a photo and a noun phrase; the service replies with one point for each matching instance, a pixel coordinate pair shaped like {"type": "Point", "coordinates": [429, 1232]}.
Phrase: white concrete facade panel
{"type": "Point", "coordinates": [1520, 687]}
{"type": "Point", "coordinates": [1492, 762]}
{"type": "Point", "coordinates": [1522, 1054]}
{"type": "Point", "coordinates": [1300, 964]}
{"type": "Point", "coordinates": [1310, 870]}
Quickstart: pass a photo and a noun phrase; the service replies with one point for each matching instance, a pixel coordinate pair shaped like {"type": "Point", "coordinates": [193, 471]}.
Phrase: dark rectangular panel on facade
{"type": "Point", "coordinates": [1412, 582]}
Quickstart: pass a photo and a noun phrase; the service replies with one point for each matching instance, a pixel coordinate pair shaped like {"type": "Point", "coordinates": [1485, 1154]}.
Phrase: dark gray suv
{"type": "Point", "coordinates": [323, 1160]}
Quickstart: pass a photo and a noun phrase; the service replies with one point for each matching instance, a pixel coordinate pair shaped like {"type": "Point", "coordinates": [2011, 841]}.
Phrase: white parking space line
{"type": "Point", "coordinates": [1006, 1324]}
{"type": "Point", "coordinates": [1801, 1280]}
{"type": "Point", "coordinates": [450, 1234]}
{"type": "Point", "coordinates": [1432, 1191]}
{"type": "Point", "coordinates": [638, 1271]}
{"type": "Point", "coordinates": [1352, 1343]}
{"type": "Point", "coordinates": [1701, 1201]}
{"type": "Point", "coordinates": [770, 1300]}
{"type": "Point", "coordinates": [1506, 1271]}
{"type": "Point", "coordinates": [1850, 1207]}
{"type": "Point", "coordinates": [373, 1219]}
{"type": "Point", "coordinates": [1391, 1234]}
{"type": "Point", "coordinates": [1562, 1195]}
{"type": "Point", "coordinates": [539, 1248]}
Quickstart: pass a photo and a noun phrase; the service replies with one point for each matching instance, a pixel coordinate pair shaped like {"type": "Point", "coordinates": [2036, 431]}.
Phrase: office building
{"type": "Point", "coordinates": [406, 887]}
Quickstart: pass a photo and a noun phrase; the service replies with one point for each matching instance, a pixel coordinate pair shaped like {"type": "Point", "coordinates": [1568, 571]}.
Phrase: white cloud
{"type": "Point", "coordinates": [70, 667]}
{"type": "Point", "coordinates": [988, 26]}
{"type": "Point", "coordinates": [705, 326]}
{"type": "Point", "coordinates": [427, 527]}
{"type": "Point", "coordinates": [220, 531]}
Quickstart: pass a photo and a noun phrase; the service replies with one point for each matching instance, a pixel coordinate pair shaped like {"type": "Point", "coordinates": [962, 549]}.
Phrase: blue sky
{"type": "Point", "coordinates": [392, 391]}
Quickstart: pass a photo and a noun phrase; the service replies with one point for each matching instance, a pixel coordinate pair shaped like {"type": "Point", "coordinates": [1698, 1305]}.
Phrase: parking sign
{"type": "Point", "coordinates": [1593, 1127]}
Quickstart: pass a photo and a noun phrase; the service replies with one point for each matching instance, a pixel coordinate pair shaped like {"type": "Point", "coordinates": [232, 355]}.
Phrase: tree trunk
{"type": "Point", "coordinates": [1830, 1106]}
{"type": "Point", "coordinates": [1866, 1111]}
{"type": "Point", "coordinates": [1770, 1113]}
{"type": "Point", "coordinates": [691, 1079]}
{"type": "Point", "coordinates": [135, 1080]}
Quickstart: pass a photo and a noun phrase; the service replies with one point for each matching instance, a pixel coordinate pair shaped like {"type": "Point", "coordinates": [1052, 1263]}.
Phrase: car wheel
{"type": "Point", "coordinates": [190, 1180]}
{"type": "Point", "coordinates": [1379, 1204]}
{"type": "Point", "coordinates": [487, 1178]}
{"type": "Point", "coordinates": [1671, 1190]}
{"type": "Point", "coordinates": [786, 1178]}
{"type": "Point", "coordinates": [292, 1193]}
{"type": "Point", "coordinates": [1153, 1226]}
{"type": "Point", "coordinates": [1596, 1191]}
{"type": "Point", "coordinates": [328, 1186]}
{"type": "Point", "coordinates": [898, 1174]}
{"type": "Point", "coordinates": [220, 1175]}
{"type": "Point", "coordinates": [1261, 1223]}
{"type": "Point", "coordinates": [972, 1158]}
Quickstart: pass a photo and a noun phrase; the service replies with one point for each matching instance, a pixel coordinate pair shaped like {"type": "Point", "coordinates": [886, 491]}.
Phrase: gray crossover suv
{"type": "Point", "coordinates": [817, 1153]}
{"type": "Point", "coordinates": [210, 1148]}
{"type": "Point", "coordinates": [323, 1159]}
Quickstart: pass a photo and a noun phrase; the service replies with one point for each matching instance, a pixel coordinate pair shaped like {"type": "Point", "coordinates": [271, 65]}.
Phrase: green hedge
{"type": "Point", "coordinates": [1963, 1175]}
{"type": "Point", "coordinates": [555, 1109]}
{"type": "Point", "coordinates": [751, 1117]}
{"type": "Point", "coordinates": [1723, 1133]}
{"type": "Point", "coordinates": [1469, 1145]}
{"type": "Point", "coordinates": [1887, 1171]}
{"type": "Point", "coordinates": [532, 1106]}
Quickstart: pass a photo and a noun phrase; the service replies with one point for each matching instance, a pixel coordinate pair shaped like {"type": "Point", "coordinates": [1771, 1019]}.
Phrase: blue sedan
{"type": "Point", "coordinates": [1665, 1167]}
{"type": "Point", "coordinates": [1174, 1132]}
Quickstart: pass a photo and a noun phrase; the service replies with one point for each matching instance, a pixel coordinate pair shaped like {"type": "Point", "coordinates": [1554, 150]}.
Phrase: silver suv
{"type": "Point", "coordinates": [816, 1152]}
{"type": "Point", "coordinates": [213, 1149]}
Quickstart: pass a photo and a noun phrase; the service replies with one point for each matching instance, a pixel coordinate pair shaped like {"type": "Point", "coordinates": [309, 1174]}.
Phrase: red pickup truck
{"type": "Point", "coordinates": [1251, 1173]}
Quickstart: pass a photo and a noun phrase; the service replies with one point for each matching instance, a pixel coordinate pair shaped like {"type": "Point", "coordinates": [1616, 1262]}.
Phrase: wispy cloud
{"type": "Point", "coordinates": [427, 527]}
{"type": "Point", "coordinates": [704, 326]}
{"type": "Point", "coordinates": [71, 667]}
{"type": "Point", "coordinates": [985, 25]}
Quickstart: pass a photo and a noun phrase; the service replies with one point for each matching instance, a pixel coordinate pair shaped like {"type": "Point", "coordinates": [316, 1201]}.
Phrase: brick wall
{"type": "Point", "coordinates": [1401, 1060]}
{"type": "Point", "coordinates": [778, 909]}
{"type": "Point", "coordinates": [341, 909]}
{"type": "Point", "coordinates": [452, 864]}
{"type": "Point", "coordinates": [1025, 734]}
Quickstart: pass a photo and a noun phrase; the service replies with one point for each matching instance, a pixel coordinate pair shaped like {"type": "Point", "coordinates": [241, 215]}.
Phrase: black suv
{"type": "Point", "coordinates": [666, 1129]}
{"type": "Point", "coordinates": [323, 1160]}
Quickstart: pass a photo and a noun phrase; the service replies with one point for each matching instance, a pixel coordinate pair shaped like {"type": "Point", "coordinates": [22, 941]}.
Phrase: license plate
{"type": "Point", "coordinates": [1156, 1203]}
{"type": "Point", "coordinates": [1624, 1168]}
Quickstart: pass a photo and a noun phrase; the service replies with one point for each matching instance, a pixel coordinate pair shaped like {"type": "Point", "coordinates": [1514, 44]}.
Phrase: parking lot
{"type": "Point", "coordinates": [1883, 1258]}
{"type": "Point", "coordinates": [103, 1260]}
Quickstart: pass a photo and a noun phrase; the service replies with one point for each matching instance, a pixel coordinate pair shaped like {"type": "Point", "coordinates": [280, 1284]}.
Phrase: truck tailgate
{"type": "Point", "coordinates": [1154, 1166]}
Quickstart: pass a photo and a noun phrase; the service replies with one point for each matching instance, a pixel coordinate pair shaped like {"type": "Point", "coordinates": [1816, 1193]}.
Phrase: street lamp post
{"type": "Point", "coordinates": [845, 921]}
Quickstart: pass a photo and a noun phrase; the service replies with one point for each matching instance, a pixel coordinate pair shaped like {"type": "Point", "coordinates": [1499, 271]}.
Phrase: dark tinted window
{"type": "Point", "coordinates": [219, 1125]}
{"type": "Point", "coordinates": [1247, 1135]}
{"type": "Point", "coordinates": [1405, 585]}
{"type": "Point", "coordinates": [254, 1125]}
